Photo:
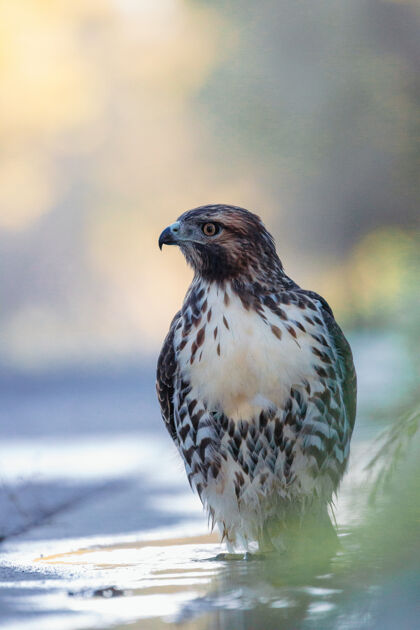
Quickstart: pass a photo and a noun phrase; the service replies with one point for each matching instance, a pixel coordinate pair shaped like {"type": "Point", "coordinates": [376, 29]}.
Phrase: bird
{"type": "Point", "coordinates": [255, 381]}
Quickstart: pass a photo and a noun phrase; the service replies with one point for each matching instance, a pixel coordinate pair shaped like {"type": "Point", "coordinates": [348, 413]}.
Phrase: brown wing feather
{"type": "Point", "coordinates": [346, 361]}
{"type": "Point", "coordinates": [345, 357]}
{"type": "Point", "coordinates": [166, 369]}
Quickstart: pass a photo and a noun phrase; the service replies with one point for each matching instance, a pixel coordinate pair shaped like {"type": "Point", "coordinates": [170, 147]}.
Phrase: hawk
{"type": "Point", "coordinates": [255, 380]}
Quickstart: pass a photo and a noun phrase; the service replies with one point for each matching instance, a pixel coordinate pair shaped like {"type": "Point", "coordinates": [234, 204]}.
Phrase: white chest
{"type": "Point", "coordinates": [245, 364]}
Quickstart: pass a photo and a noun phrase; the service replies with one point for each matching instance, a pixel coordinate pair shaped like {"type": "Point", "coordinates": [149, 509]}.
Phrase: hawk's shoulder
{"type": "Point", "coordinates": [166, 370]}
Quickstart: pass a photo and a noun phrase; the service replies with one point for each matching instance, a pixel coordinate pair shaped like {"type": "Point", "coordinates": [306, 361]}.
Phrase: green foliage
{"type": "Point", "coordinates": [394, 446]}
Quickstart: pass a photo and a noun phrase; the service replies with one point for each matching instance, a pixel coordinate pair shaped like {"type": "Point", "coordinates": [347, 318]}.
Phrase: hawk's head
{"type": "Point", "coordinates": [223, 242]}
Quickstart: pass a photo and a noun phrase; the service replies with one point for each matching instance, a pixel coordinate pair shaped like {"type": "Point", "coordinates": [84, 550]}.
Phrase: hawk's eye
{"type": "Point", "coordinates": [210, 229]}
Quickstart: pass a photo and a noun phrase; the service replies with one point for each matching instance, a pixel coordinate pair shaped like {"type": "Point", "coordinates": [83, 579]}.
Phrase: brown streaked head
{"type": "Point", "coordinates": [223, 242]}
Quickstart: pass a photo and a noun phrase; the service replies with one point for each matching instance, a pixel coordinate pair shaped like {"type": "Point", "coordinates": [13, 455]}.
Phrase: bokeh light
{"type": "Point", "coordinates": [116, 116]}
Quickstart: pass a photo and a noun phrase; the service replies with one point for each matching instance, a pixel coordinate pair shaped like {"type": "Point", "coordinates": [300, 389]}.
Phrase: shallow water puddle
{"type": "Point", "coordinates": [97, 555]}
{"type": "Point", "coordinates": [126, 581]}
{"type": "Point", "coordinates": [178, 580]}
{"type": "Point", "coordinates": [152, 566]}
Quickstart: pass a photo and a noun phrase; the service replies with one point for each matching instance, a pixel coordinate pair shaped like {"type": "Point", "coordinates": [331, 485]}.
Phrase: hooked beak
{"type": "Point", "coordinates": [169, 235]}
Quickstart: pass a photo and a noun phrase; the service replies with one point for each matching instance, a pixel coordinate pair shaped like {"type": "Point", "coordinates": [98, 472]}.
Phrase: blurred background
{"type": "Point", "coordinates": [118, 115]}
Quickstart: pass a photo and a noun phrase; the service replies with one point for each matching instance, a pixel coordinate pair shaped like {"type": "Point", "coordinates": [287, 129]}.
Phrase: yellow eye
{"type": "Point", "coordinates": [210, 229]}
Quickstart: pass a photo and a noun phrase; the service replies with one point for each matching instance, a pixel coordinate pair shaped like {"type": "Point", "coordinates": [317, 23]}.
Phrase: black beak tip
{"type": "Point", "coordinates": [166, 238]}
